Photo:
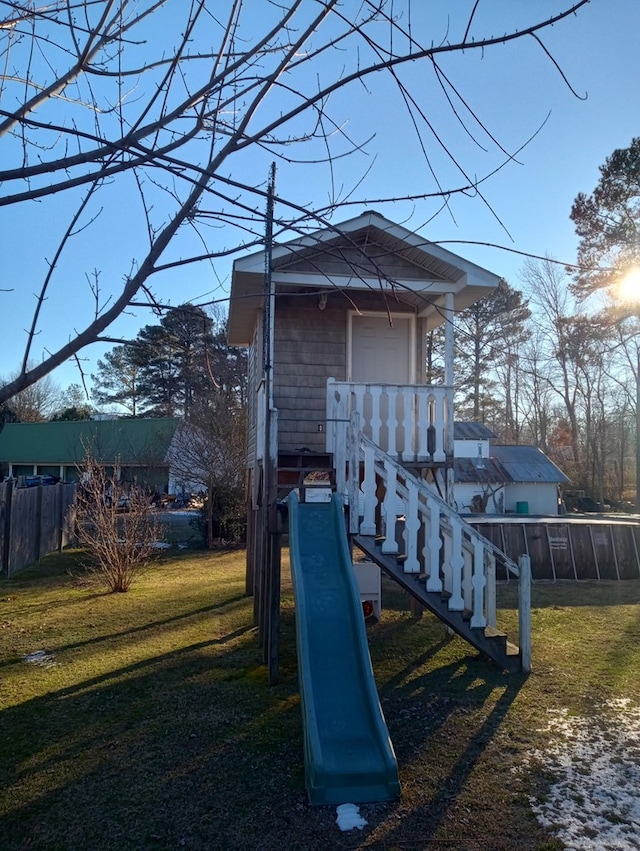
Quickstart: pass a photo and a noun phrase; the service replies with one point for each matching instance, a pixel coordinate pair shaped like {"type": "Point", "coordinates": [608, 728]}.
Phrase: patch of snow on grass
{"type": "Point", "coordinates": [42, 658]}
{"type": "Point", "coordinates": [593, 803]}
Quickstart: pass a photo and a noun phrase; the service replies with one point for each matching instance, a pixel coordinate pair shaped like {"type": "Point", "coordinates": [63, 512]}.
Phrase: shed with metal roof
{"type": "Point", "coordinates": [139, 446]}
{"type": "Point", "coordinates": [511, 479]}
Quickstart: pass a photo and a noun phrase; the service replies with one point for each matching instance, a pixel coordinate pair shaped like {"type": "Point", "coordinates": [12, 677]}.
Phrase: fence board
{"type": "Point", "coordinates": [33, 522]}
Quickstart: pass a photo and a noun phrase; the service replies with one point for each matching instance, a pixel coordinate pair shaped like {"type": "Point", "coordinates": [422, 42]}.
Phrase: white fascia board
{"type": "Point", "coordinates": [358, 282]}
{"type": "Point", "coordinates": [251, 264]}
{"type": "Point", "coordinates": [474, 274]}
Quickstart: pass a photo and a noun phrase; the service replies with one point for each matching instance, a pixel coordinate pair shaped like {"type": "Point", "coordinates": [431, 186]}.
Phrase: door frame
{"type": "Point", "coordinates": [381, 313]}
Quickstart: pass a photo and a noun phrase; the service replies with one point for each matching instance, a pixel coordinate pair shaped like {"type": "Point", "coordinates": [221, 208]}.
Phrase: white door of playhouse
{"type": "Point", "coordinates": [381, 353]}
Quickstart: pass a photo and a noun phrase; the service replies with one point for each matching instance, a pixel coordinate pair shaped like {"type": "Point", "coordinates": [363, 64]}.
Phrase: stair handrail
{"type": "Point", "coordinates": [470, 580]}
{"type": "Point", "coordinates": [469, 559]}
{"type": "Point", "coordinates": [382, 458]}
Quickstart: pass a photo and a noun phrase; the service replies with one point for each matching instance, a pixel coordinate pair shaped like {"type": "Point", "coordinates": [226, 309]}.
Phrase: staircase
{"type": "Point", "coordinates": [401, 523]}
{"type": "Point", "coordinates": [489, 641]}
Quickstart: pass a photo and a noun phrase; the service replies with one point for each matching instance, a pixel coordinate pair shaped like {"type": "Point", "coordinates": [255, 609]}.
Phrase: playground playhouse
{"type": "Point", "coordinates": [336, 327]}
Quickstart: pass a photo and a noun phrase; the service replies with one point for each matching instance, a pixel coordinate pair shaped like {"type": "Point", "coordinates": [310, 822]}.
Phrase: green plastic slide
{"type": "Point", "coordinates": [348, 753]}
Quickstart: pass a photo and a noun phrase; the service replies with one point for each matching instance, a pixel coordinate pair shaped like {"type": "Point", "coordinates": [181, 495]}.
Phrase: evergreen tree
{"type": "Point", "coordinates": [116, 381]}
{"type": "Point", "coordinates": [608, 222]}
{"type": "Point", "coordinates": [488, 334]}
{"type": "Point", "coordinates": [72, 414]}
{"type": "Point", "coordinates": [173, 368]}
{"type": "Point", "coordinates": [158, 372]}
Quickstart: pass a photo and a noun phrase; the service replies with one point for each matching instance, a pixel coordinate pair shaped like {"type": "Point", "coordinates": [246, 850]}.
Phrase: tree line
{"type": "Point", "coordinates": [537, 369]}
{"type": "Point", "coordinates": [556, 362]}
{"type": "Point", "coordinates": [177, 367]}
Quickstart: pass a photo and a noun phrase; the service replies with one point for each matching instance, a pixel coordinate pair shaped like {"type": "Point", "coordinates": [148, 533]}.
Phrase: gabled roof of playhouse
{"type": "Point", "coordinates": [366, 253]}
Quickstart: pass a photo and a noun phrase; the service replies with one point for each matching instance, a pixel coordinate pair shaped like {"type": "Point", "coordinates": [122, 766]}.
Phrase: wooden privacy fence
{"type": "Point", "coordinates": [33, 522]}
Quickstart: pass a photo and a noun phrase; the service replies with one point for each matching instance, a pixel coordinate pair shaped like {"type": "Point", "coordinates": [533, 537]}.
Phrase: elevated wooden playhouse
{"type": "Point", "coordinates": [336, 326]}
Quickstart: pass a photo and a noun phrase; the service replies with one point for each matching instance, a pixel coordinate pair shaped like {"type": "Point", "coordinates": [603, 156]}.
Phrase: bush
{"type": "Point", "coordinates": [224, 510]}
{"type": "Point", "coordinates": [117, 524]}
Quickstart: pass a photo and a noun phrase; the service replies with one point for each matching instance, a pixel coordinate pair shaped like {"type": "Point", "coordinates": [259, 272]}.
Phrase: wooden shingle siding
{"type": "Point", "coordinates": [310, 346]}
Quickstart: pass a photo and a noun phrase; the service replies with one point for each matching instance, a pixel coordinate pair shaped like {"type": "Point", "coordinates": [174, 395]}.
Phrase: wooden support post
{"type": "Point", "coordinates": [251, 549]}
{"type": "Point", "coordinates": [7, 493]}
{"type": "Point", "coordinates": [38, 525]}
{"type": "Point", "coordinates": [524, 610]}
{"type": "Point", "coordinates": [273, 638]}
{"type": "Point", "coordinates": [60, 514]}
{"type": "Point", "coordinates": [491, 606]}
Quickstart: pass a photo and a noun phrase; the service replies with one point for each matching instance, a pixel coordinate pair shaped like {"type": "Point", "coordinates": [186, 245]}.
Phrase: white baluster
{"type": "Point", "coordinates": [467, 577]}
{"type": "Point", "coordinates": [433, 543]}
{"type": "Point", "coordinates": [479, 582]}
{"type": "Point", "coordinates": [391, 422]}
{"type": "Point", "coordinates": [456, 564]}
{"type": "Point", "coordinates": [422, 424]}
{"type": "Point", "coordinates": [407, 424]}
{"type": "Point", "coordinates": [368, 525]}
{"type": "Point", "coordinates": [438, 400]}
{"type": "Point", "coordinates": [411, 527]}
{"type": "Point", "coordinates": [375, 393]}
{"type": "Point", "coordinates": [353, 484]}
{"type": "Point", "coordinates": [491, 605]}
{"type": "Point", "coordinates": [356, 396]}
{"type": "Point", "coordinates": [390, 545]}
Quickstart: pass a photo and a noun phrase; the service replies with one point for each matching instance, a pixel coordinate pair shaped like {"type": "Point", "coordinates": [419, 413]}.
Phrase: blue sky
{"type": "Point", "coordinates": [514, 88]}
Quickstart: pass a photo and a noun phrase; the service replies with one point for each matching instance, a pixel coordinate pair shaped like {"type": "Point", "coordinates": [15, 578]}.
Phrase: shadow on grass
{"type": "Point", "coordinates": [161, 754]}
{"type": "Point", "coordinates": [192, 749]}
{"type": "Point", "coordinates": [441, 745]}
{"type": "Point", "coordinates": [151, 625]}
{"type": "Point", "coordinates": [444, 708]}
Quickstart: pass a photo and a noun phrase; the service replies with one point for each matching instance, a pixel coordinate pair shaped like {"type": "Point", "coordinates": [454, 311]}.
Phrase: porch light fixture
{"type": "Point", "coordinates": [322, 301]}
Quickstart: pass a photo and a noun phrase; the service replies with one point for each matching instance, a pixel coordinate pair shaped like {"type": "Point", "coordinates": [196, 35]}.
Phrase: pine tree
{"type": "Point", "coordinates": [488, 335]}
{"type": "Point", "coordinates": [608, 222]}
{"type": "Point", "coordinates": [116, 381]}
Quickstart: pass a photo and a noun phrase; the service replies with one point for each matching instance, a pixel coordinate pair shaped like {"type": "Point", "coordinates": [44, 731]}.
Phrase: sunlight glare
{"type": "Point", "coordinates": [629, 286]}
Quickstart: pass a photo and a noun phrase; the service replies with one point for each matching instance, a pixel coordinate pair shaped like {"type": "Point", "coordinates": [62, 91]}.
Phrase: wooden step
{"type": "Point", "coordinates": [489, 641]}
{"type": "Point", "coordinates": [497, 637]}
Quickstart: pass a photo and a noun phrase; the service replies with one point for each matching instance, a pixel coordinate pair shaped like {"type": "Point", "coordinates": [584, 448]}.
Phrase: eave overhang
{"type": "Point", "coordinates": [354, 257]}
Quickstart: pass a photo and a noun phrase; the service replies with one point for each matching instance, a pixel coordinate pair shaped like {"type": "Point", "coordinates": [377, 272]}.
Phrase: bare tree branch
{"type": "Point", "coordinates": [162, 112]}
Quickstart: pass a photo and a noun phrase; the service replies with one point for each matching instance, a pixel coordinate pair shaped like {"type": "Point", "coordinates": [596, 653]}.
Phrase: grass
{"type": "Point", "coordinates": [153, 727]}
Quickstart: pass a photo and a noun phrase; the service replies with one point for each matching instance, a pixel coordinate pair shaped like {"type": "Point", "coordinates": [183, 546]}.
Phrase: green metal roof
{"type": "Point", "coordinates": [132, 441]}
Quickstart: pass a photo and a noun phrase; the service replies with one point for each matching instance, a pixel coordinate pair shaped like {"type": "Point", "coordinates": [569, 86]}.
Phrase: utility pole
{"type": "Point", "coordinates": [270, 586]}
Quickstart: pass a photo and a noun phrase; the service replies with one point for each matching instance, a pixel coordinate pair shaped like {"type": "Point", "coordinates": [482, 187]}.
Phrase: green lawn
{"type": "Point", "coordinates": [151, 724]}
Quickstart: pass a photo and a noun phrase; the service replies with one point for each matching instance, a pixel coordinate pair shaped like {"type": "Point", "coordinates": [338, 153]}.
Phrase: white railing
{"type": "Point", "coordinates": [410, 422]}
{"type": "Point", "coordinates": [436, 541]}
